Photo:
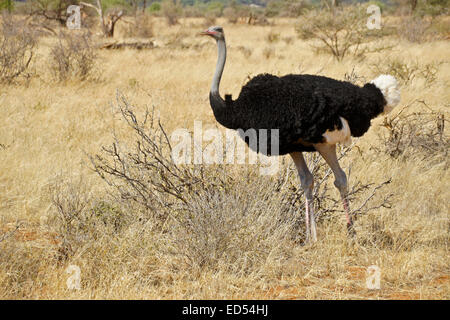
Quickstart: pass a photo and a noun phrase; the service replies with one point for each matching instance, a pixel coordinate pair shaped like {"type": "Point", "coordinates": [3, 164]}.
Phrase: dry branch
{"type": "Point", "coordinates": [107, 23]}
{"type": "Point", "coordinates": [138, 45]}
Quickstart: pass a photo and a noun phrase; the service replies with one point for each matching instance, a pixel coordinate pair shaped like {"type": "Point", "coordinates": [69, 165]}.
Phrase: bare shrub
{"type": "Point", "coordinates": [407, 71]}
{"type": "Point", "coordinates": [142, 27]}
{"type": "Point", "coordinates": [17, 49]}
{"type": "Point", "coordinates": [340, 31]}
{"type": "Point", "coordinates": [231, 14]}
{"type": "Point", "coordinates": [107, 21]}
{"type": "Point", "coordinates": [355, 78]}
{"type": "Point", "coordinates": [257, 19]}
{"type": "Point", "coordinates": [272, 37]}
{"type": "Point", "coordinates": [247, 52]}
{"type": "Point", "coordinates": [171, 11]}
{"type": "Point", "coordinates": [79, 218]}
{"type": "Point", "coordinates": [209, 19]}
{"type": "Point", "coordinates": [417, 134]}
{"type": "Point", "coordinates": [268, 52]}
{"type": "Point", "coordinates": [414, 29]}
{"type": "Point", "coordinates": [73, 56]}
{"type": "Point", "coordinates": [215, 216]}
{"type": "Point", "coordinates": [288, 40]}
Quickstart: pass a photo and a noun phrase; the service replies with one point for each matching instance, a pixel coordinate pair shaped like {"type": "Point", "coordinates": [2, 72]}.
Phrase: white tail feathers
{"type": "Point", "coordinates": [388, 86]}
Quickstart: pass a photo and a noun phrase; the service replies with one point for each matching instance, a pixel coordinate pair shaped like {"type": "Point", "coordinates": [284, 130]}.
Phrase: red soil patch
{"type": "Point", "coordinates": [404, 296]}
{"type": "Point", "coordinates": [441, 280]}
{"type": "Point", "coordinates": [24, 234]}
{"type": "Point", "coordinates": [357, 273]}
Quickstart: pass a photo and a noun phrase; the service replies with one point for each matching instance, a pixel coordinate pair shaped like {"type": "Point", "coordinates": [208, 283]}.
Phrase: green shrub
{"type": "Point", "coordinates": [378, 3]}
{"type": "Point", "coordinates": [215, 8]}
{"type": "Point", "coordinates": [6, 5]}
{"type": "Point", "coordinates": [154, 7]}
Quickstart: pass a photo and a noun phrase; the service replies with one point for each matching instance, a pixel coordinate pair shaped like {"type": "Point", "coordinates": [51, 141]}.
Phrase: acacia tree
{"type": "Point", "coordinates": [51, 9]}
{"type": "Point", "coordinates": [107, 22]}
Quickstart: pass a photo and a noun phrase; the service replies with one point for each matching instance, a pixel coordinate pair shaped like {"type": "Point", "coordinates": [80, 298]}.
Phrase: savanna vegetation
{"type": "Point", "coordinates": [87, 178]}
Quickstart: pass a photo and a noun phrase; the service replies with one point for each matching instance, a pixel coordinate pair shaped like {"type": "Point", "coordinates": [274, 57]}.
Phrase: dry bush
{"type": "Point", "coordinates": [257, 19]}
{"type": "Point", "coordinates": [73, 56]}
{"type": "Point", "coordinates": [209, 19]}
{"type": "Point", "coordinates": [17, 49]}
{"type": "Point", "coordinates": [288, 40]}
{"type": "Point", "coordinates": [171, 11]}
{"type": "Point", "coordinates": [215, 216]}
{"type": "Point", "coordinates": [414, 29]}
{"type": "Point", "coordinates": [417, 134]}
{"type": "Point", "coordinates": [273, 37]}
{"type": "Point", "coordinates": [141, 28]}
{"type": "Point", "coordinates": [340, 32]}
{"type": "Point", "coordinates": [79, 218]}
{"type": "Point", "coordinates": [231, 14]}
{"type": "Point", "coordinates": [268, 52]}
{"type": "Point", "coordinates": [406, 72]}
{"type": "Point", "coordinates": [355, 78]}
{"type": "Point", "coordinates": [247, 52]}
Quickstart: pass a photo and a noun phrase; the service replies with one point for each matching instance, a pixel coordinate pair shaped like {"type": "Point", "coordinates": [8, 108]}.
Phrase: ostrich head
{"type": "Point", "coordinates": [216, 32]}
{"type": "Point", "coordinates": [388, 87]}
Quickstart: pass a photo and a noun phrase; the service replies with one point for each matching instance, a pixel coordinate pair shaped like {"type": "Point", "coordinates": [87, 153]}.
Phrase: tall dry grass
{"type": "Point", "coordinates": [239, 238]}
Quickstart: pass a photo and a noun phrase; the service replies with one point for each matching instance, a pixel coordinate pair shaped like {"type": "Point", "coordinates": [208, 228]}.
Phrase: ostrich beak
{"type": "Point", "coordinates": [207, 33]}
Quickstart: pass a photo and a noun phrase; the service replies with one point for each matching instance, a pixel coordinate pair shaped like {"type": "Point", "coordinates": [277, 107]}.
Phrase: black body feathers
{"type": "Point", "coordinates": [302, 107]}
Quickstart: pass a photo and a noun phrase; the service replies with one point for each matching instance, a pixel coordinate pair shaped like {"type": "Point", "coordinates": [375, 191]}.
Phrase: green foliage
{"type": "Point", "coordinates": [154, 7]}
{"type": "Point", "coordinates": [109, 215]}
{"type": "Point", "coordinates": [109, 4]}
{"type": "Point", "coordinates": [287, 8]}
{"type": "Point", "coordinates": [6, 5]}
{"type": "Point", "coordinates": [215, 7]}
{"type": "Point", "coordinates": [433, 8]}
{"type": "Point", "coordinates": [274, 8]}
{"type": "Point", "coordinates": [378, 3]}
{"type": "Point", "coordinates": [56, 5]}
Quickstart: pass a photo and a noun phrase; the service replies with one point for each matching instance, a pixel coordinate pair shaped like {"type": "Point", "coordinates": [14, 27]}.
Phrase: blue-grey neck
{"type": "Point", "coordinates": [222, 57]}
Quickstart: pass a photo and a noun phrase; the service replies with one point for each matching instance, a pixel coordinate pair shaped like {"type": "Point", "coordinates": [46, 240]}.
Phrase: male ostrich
{"type": "Point", "coordinates": [312, 113]}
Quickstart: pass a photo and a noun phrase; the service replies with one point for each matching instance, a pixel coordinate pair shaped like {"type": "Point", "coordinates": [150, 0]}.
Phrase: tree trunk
{"type": "Point", "coordinates": [108, 23]}
{"type": "Point", "coordinates": [108, 27]}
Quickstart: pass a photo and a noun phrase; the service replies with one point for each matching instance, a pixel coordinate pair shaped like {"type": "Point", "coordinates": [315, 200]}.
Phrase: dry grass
{"type": "Point", "coordinates": [55, 211]}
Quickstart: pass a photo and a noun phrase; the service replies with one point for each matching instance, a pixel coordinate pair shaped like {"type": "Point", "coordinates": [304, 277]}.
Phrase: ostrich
{"type": "Point", "coordinates": [311, 113]}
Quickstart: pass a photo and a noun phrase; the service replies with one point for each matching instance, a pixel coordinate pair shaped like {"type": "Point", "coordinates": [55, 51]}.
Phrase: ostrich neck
{"type": "Point", "coordinates": [222, 56]}
{"type": "Point", "coordinates": [222, 110]}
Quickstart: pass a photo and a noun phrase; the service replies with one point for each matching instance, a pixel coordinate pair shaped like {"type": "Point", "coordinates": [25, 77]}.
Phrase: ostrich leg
{"type": "Point", "coordinates": [307, 183]}
{"type": "Point", "coordinates": [328, 152]}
